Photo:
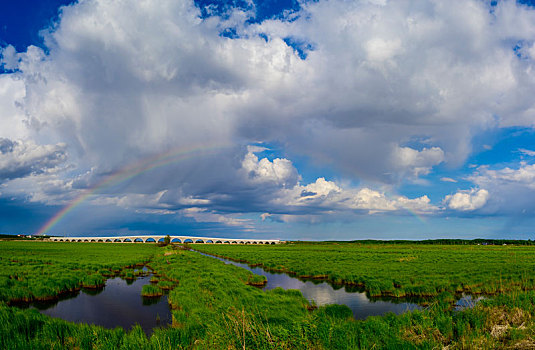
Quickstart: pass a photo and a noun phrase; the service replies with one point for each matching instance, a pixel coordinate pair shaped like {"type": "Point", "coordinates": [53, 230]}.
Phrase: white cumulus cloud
{"type": "Point", "coordinates": [279, 171]}
{"type": "Point", "coordinates": [467, 200]}
{"type": "Point", "coordinates": [524, 176]}
{"type": "Point", "coordinates": [326, 196]}
{"type": "Point", "coordinates": [417, 162]}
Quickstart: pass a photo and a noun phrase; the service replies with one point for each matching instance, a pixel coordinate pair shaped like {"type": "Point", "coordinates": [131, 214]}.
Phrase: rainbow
{"type": "Point", "coordinates": [419, 216]}
{"type": "Point", "coordinates": [145, 165]}
{"type": "Point", "coordinates": [127, 173]}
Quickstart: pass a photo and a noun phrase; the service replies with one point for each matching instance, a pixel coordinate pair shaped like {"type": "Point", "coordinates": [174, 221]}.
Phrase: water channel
{"type": "Point", "coordinates": [322, 293]}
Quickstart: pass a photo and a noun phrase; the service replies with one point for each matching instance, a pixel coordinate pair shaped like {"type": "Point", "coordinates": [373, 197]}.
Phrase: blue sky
{"type": "Point", "coordinates": [274, 119]}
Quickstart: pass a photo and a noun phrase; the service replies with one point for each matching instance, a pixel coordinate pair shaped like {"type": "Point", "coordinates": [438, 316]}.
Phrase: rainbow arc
{"type": "Point", "coordinates": [128, 172]}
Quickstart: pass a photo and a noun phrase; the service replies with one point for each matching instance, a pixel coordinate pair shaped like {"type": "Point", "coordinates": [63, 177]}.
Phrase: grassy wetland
{"type": "Point", "coordinates": [35, 270]}
{"type": "Point", "coordinates": [215, 306]}
{"type": "Point", "coordinates": [397, 270]}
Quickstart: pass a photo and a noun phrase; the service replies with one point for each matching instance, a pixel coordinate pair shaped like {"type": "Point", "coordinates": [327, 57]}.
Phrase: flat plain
{"type": "Point", "coordinates": [397, 270]}
{"type": "Point", "coordinates": [215, 306]}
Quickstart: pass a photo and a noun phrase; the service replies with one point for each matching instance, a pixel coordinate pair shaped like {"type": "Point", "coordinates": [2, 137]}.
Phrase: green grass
{"type": "Point", "coordinates": [256, 280]}
{"type": "Point", "coordinates": [33, 270]}
{"type": "Point", "coordinates": [214, 302]}
{"type": "Point", "coordinates": [129, 275]}
{"type": "Point", "coordinates": [166, 285]}
{"type": "Point", "coordinates": [213, 305]}
{"type": "Point", "coordinates": [150, 290]}
{"type": "Point", "coordinates": [93, 281]}
{"type": "Point", "coordinates": [396, 270]}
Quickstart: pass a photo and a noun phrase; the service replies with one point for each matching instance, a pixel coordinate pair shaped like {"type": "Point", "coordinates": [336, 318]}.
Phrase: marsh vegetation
{"type": "Point", "coordinates": [213, 304]}
{"type": "Point", "coordinates": [397, 270]}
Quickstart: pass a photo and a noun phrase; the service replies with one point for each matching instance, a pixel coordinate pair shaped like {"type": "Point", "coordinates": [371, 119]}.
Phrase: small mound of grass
{"type": "Point", "coordinates": [151, 291]}
{"type": "Point", "coordinates": [93, 281]}
{"type": "Point", "coordinates": [129, 275]}
{"type": "Point", "coordinates": [166, 285]}
{"type": "Point", "coordinates": [140, 273]}
{"type": "Point", "coordinates": [106, 272]}
{"type": "Point", "coordinates": [256, 280]}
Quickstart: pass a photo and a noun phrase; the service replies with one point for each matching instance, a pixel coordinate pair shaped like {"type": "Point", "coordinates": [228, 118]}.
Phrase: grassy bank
{"type": "Point", "coordinates": [397, 270]}
{"type": "Point", "coordinates": [35, 270]}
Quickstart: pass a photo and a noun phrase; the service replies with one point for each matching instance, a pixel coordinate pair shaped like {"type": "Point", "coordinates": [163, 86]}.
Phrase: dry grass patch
{"type": "Point", "coordinates": [407, 258]}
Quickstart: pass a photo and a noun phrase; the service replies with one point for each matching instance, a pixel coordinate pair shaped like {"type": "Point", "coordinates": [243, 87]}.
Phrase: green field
{"type": "Point", "coordinates": [35, 270]}
{"type": "Point", "coordinates": [214, 306]}
{"type": "Point", "coordinates": [397, 270]}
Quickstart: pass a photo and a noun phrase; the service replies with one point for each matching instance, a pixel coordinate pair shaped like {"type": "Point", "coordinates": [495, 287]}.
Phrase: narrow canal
{"type": "Point", "coordinates": [322, 293]}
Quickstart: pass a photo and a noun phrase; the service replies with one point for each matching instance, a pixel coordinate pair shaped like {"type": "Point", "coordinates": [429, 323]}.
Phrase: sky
{"type": "Point", "coordinates": [298, 120]}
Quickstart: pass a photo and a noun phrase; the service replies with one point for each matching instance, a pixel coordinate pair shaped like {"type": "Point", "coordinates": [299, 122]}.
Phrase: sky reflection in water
{"type": "Point", "coordinates": [119, 304]}
{"type": "Point", "coordinates": [322, 293]}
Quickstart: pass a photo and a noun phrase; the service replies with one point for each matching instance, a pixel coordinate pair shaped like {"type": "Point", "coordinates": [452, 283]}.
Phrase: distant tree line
{"type": "Point", "coordinates": [480, 241]}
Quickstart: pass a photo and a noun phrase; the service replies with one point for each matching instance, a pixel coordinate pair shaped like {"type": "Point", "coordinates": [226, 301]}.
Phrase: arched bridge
{"type": "Point", "coordinates": [174, 239]}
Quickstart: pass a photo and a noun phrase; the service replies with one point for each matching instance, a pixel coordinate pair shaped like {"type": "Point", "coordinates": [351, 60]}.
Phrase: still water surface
{"type": "Point", "coordinates": [322, 293]}
{"type": "Point", "coordinates": [118, 304]}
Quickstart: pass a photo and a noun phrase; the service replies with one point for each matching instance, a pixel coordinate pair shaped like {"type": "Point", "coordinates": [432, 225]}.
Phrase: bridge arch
{"type": "Point", "coordinates": [158, 238]}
